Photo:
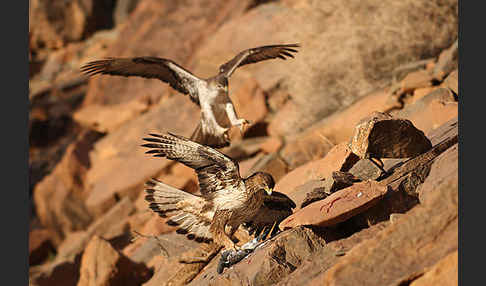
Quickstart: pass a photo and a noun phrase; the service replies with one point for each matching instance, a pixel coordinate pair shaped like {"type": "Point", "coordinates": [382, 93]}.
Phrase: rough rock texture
{"type": "Point", "coordinates": [334, 250]}
{"type": "Point", "coordinates": [269, 263]}
{"type": "Point", "coordinates": [340, 158]}
{"type": "Point", "coordinates": [364, 169]}
{"type": "Point", "coordinates": [382, 136]}
{"type": "Point", "coordinates": [416, 241]}
{"type": "Point", "coordinates": [174, 271]}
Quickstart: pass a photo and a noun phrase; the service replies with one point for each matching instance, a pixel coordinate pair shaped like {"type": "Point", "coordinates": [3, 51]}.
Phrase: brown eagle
{"type": "Point", "coordinates": [211, 94]}
{"type": "Point", "coordinates": [226, 199]}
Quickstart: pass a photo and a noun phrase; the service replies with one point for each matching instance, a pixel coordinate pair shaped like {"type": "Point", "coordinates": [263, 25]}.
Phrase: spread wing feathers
{"type": "Point", "coordinates": [192, 214]}
{"type": "Point", "coordinates": [275, 208]}
{"type": "Point", "coordinates": [216, 172]}
{"type": "Point", "coordinates": [258, 54]}
{"type": "Point", "coordinates": [148, 67]}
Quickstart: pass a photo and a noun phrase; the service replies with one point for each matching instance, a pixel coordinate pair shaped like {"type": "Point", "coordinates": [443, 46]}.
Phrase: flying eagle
{"type": "Point", "coordinates": [217, 111]}
{"type": "Point", "coordinates": [226, 199]}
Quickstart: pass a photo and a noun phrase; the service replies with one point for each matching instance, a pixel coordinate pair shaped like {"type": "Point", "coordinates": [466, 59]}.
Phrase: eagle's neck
{"type": "Point", "coordinates": [252, 185]}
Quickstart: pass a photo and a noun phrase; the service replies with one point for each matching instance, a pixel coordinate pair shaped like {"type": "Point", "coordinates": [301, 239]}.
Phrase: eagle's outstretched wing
{"type": "Point", "coordinates": [275, 208]}
{"type": "Point", "coordinates": [216, 172]}
{"type": "Point", "coordinates": [148, 67]}
{"type": "Point", "coordinates": [258, 54]}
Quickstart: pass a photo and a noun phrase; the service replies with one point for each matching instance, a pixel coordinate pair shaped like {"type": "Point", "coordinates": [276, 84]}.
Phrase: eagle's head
{"type": "Point", "coordinates": [263, 181]}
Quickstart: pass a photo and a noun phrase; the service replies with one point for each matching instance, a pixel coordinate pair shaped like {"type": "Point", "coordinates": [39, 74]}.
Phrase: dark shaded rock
{"type": "Point", "coordinates": [337, 181]}
{"type": "Point", "coordinates": [382, 136]}
{"type": "Point", "coordinates": [64, 272]}
{"type": "Point", "coordinates": [40, 246]}
{"type": "Point", "coordinates": [330, 254]}
{"type": "Point", "coordinates": [103, 265]}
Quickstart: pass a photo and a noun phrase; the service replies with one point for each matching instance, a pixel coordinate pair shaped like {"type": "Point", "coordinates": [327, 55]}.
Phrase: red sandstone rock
{"type": "Point", "coordinates": [418, 240]}
{"type": "Point", "coordinates": [340, 158]}
{"type": "Point", "coordinates": [59, 196]}
{"type": "Point", "coordinates": [337, 207]}
{"type": "Point", "coordinates": [337, 128]}
{"type": "Point", "coordinates": [121, 151]}
{"type": "Point", "coordinates": [414, 80]}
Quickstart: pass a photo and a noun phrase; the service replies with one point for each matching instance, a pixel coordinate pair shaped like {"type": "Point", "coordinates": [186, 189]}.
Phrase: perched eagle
{"type": "Point", "coordinates": [226, 199]}
{"type": "Point", "coordinates": [217, 111]}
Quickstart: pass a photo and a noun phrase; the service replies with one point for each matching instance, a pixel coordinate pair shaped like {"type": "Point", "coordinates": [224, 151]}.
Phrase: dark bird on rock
{"type": "Point", "coordinates": [226, 199]}
{"type": "Point", "coordinates": [211, 94]}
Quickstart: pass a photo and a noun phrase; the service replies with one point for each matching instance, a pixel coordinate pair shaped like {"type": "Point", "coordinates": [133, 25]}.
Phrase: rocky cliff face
{"type": "Point", "coordinates": [373, 82]}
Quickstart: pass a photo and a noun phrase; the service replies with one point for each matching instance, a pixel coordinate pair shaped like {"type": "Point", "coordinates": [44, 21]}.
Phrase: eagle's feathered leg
{"type": "Point", "coordinates": [235, 121]}
{"type": "Point", "coordinates": [217, 229]}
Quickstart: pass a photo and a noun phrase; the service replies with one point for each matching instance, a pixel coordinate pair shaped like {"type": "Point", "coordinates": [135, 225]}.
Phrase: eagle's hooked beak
{"type": "Point", "coordinates": [268, 190]}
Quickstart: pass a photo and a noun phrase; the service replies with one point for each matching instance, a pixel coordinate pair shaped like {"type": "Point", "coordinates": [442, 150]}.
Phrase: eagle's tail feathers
{"type": "Point", "coordinates": [181, 208]}
{"type": "Point", "coordinates": [208, 139]}
{"type": "Point", "coordinates": [164, 199]}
